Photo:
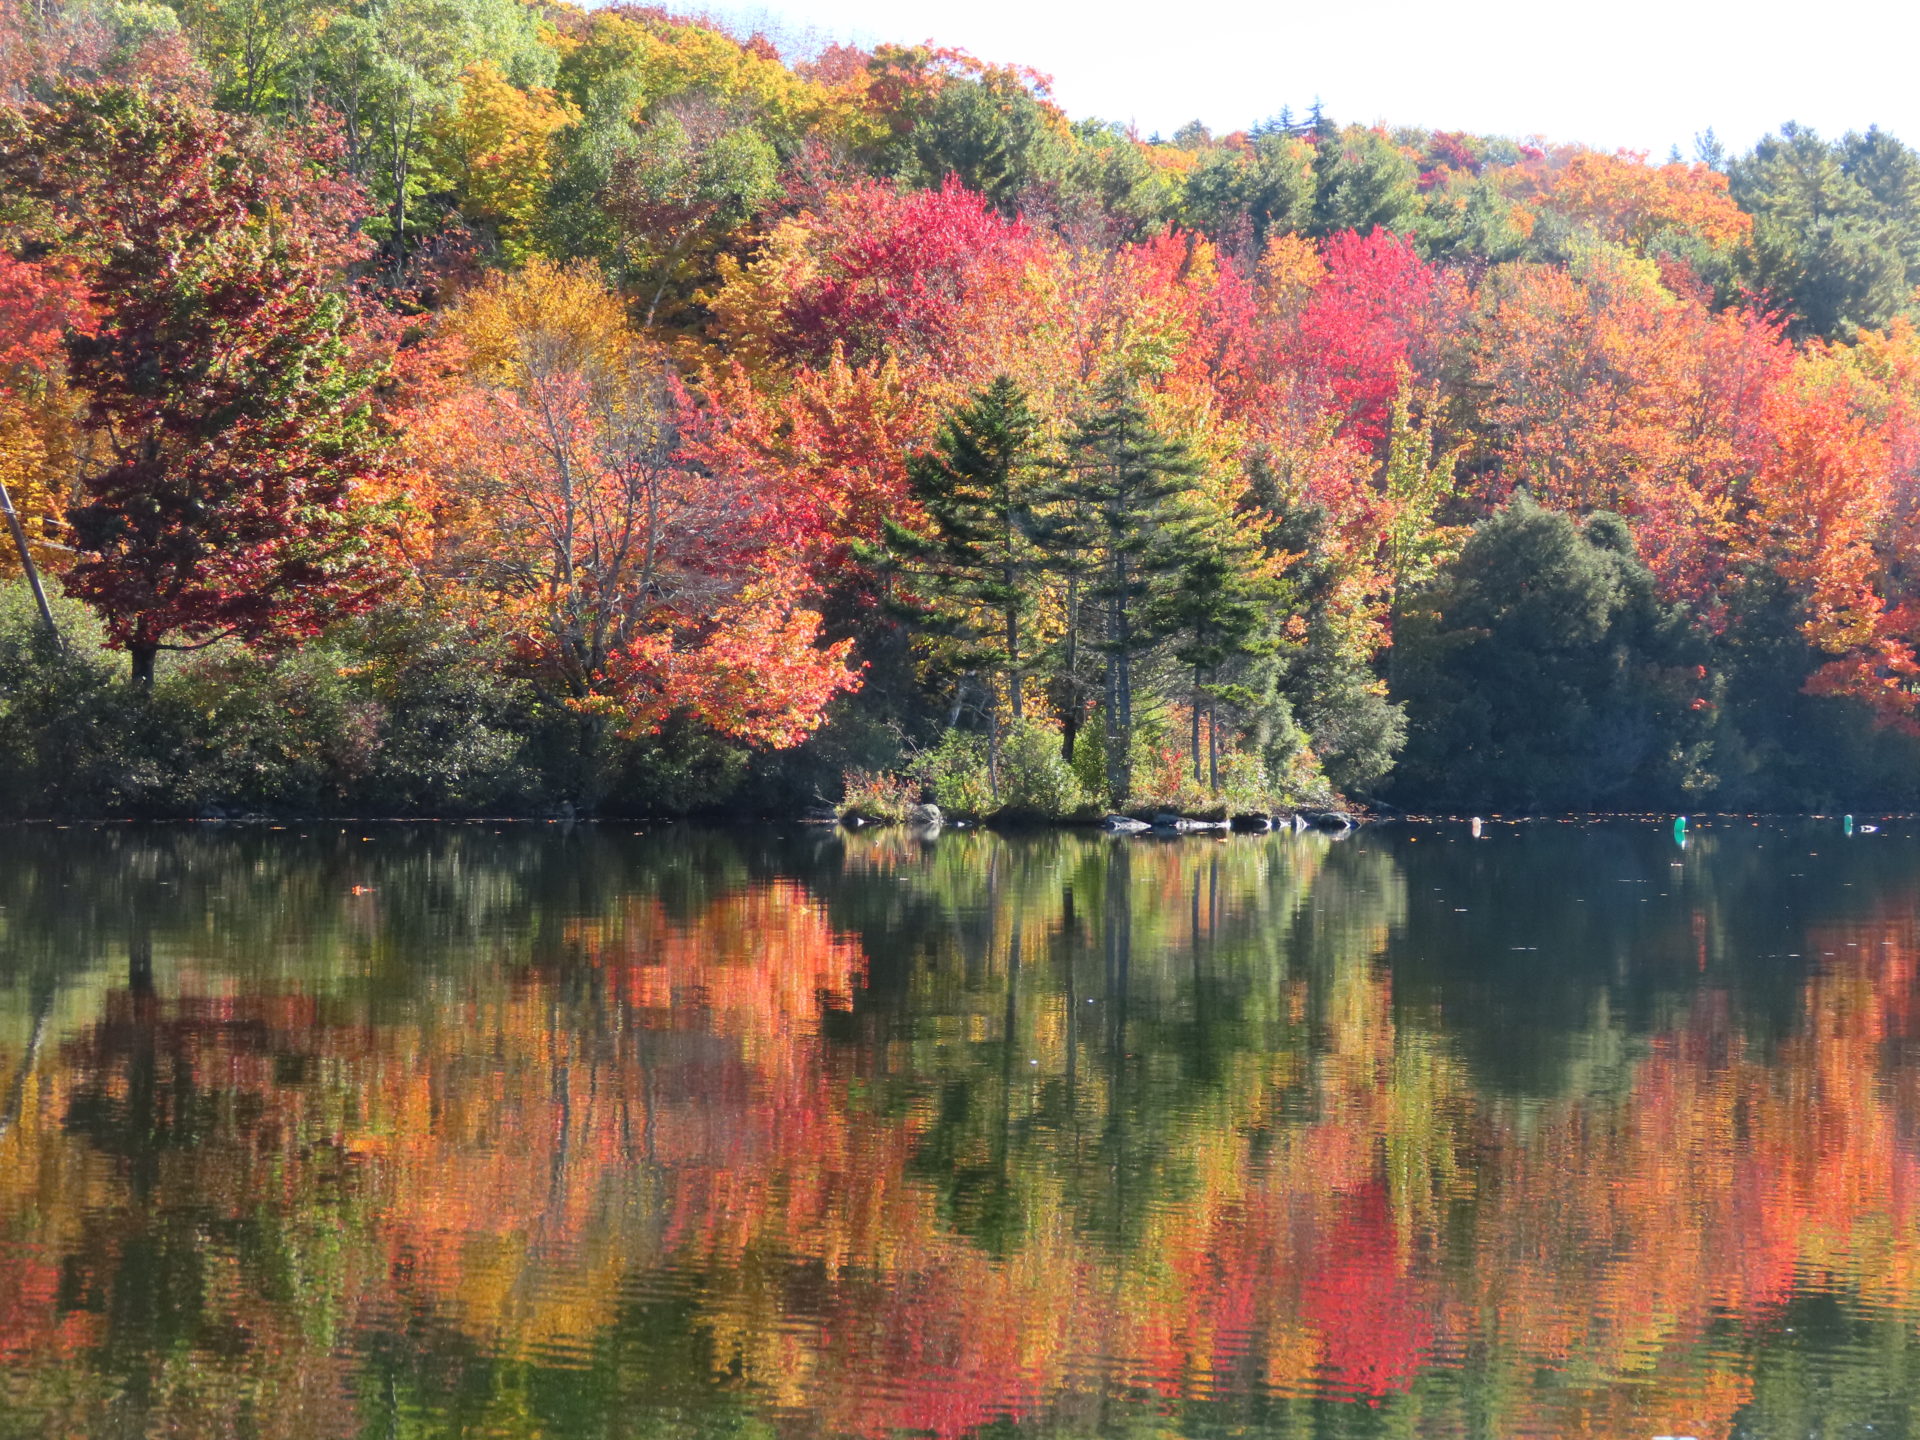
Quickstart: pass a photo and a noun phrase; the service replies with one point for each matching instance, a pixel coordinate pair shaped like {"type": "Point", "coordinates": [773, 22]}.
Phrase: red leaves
{"type": "Point", "coordinates": [825, 458]}
{"type": "Point", "coordinates": [39, 307]}
{"type": "Point", "coordinates": [907, 274]}
{"type": "Point", "coordinates": [234, 495]}
{"type": "Point", "coordinates": [1374, 312]}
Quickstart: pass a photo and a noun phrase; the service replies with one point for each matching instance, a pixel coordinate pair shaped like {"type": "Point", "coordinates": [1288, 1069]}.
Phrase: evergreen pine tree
{"type": "Point", "coordinates": [972, 569]}
{"type": "Point", "coordinates": [1114, 526]}
{"type": "Point", "coordinates": [1220, 613]}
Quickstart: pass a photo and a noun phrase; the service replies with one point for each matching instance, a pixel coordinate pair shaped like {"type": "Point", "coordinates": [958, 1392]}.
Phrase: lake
{"type": "Point", "coordinates": [654, 1130]}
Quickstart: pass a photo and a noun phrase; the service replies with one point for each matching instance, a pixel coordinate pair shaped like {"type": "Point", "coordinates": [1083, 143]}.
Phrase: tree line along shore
{"type": "Point", "coordinates": [452, 407]}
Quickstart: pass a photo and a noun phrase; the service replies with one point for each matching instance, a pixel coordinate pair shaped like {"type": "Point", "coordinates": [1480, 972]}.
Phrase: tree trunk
{"type": "Point", "coordinates": [1118, 716]}
{"type": "Point", "coordinates": [993, 748]}
{"type": "Point", "coordinates": [143, 658]}
{"type": "Point", "coordinates": [589, 783]}
{"type": "Point", "coordinates": [1196, 733]}
{"type": "Point", "coordinates": [1013, 664]}
{"type": "Point", "coordinates": [1071, 709]}
{"type": "Point", "coordinates": [32, 570]}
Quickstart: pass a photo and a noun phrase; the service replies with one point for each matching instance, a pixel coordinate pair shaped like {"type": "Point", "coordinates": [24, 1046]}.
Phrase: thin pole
{"type": "Point", "coordinates": [26, 562]}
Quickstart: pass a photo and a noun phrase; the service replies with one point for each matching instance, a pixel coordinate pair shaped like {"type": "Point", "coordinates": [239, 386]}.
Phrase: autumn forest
{"type": "Point", "coordinates": [448, 407]}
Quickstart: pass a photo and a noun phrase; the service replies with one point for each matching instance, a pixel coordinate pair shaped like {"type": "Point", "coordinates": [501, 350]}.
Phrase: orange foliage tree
{"type": "Point", "coordinates": [639, 582]}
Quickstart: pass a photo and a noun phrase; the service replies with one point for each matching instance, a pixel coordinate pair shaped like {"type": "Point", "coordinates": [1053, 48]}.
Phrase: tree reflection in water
{"type": "Point", "coordinates": [575, 1132]}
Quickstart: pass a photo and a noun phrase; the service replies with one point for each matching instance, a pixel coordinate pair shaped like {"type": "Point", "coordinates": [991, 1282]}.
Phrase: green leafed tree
{"type": "Point", "coordinates": [1836, 228]}
{"type": "Point", "coordinates": [1543, 672]}
{"type": "Point", "coordinates": [678, 192]}
{"type": "Point", "coordinates": [390, 70]}
{"type": "Point", "coordinates": [990, 131]}
{"type": "Point", "coordinates": [1362, 181]}
{"type": "Point", "coordinates": [1251, 192]}
{"type": "Point", "coordinates": [1221, 616]}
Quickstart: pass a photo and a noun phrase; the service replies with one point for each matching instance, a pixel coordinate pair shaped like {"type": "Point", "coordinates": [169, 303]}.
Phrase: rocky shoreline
{"type": "Point", "coordinates": [929, 818]}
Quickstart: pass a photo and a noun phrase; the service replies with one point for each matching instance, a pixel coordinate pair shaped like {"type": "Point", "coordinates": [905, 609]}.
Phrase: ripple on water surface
{"type": "Point", "coordinates": [1560, 1130]}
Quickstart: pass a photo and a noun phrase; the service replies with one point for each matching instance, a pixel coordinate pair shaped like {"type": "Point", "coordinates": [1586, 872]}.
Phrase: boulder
{"type": "Point", "coordinates": [1252, 824]}
{"type": "Point", "coordinates": [926, 817]}
{"type": "Point", "coordinates": [1124, 825]}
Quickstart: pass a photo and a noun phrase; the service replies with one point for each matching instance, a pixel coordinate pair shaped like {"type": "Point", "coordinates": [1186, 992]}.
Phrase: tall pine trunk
{"type": "Point", "coordinates": [1119, 707]}
{"type": "Point", "coordinates": [1213, 745]}
{"type": "Point", "coordinates": [1071, 708]}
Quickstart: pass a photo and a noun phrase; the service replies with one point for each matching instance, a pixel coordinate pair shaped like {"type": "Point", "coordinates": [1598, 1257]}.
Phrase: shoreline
{"type": "Point", "coordinates": [1328, 821]}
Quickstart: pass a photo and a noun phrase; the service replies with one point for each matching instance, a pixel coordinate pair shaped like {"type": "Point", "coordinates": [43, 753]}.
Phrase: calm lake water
{"type": "Point", "coordinates": [530, 1130]}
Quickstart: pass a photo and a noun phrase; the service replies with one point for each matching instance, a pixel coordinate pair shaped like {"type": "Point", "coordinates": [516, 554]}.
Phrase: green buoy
{"type": "Point", "coordinates": [1846, 823]}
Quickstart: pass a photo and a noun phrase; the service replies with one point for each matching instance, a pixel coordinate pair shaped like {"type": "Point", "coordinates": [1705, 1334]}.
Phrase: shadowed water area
{"type": "Point", "coordinates": [532, 1130]}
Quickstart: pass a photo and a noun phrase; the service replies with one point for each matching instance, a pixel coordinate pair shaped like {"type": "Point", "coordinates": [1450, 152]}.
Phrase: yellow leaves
{"type": "Point", "coordinates": [496, 146]}
{"type": "Point", "coordinates": [750, 303]}
{"type": "Point", "coordinates": [1415, 480]}
{"type": "Point", "coordinates": [1291, 268]}
{"type": "Point", "coordinates": [668, 58]}
{"type": "Point", "coordinates": [545, 319]}
{"type": "Point", "coordinates": [37, 463]}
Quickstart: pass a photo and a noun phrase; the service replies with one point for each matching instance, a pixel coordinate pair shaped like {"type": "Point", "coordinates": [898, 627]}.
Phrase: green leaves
{"type": "Point", "coordinates": [1836, 237]}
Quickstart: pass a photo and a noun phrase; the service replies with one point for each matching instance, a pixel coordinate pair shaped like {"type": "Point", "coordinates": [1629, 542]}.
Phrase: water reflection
{"type": "Point", "coordinates": [412, 1130]}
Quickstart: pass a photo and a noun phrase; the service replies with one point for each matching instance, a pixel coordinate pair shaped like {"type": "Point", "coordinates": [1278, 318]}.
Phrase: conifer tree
{"type": "Point", "coordinates": [972, 567]}
{"type": "Point", "coordinates": [1219, 614]}
{"type": "Point", "coordinates": [1116, 520]}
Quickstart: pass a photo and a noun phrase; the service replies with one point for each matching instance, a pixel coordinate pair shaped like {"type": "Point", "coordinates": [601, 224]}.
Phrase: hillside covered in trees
{"type": "Point", "coordinates": [455, 406]}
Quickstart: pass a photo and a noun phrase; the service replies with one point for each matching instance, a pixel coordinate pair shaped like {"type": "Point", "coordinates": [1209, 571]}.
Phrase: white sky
{"type": "Point", "coordinates": [1634, 74]}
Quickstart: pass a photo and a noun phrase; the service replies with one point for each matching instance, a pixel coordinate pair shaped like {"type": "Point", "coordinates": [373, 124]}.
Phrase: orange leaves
{"type": "Point", "coordinates": [825, 456]}
{"type": "Point", "coordinates": [1602, 390]}
{"type": "Point", "coordinates": [1731, 455]}
{"type": "Point", "coordinates": [39, 308]}
{"type": "Point", "coordinates": [1623, 200]}
{"type": "Point", "coordinates": [1815, 503]}
{"type": "Point", "coordinates": [638, 581]}
{"type": "Point", "coordinates": [1819, 513]}
{"type": "Point", "coordinates": [753, 670]}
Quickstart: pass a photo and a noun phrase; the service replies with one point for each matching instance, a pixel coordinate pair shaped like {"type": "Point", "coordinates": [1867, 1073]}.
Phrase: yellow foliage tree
{"type": "Point", "coordinates": [497, 146]}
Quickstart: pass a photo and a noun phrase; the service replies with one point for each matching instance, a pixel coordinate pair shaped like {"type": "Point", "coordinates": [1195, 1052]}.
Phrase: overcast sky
{"type": "Point", "coordinates": [1632, 74]}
